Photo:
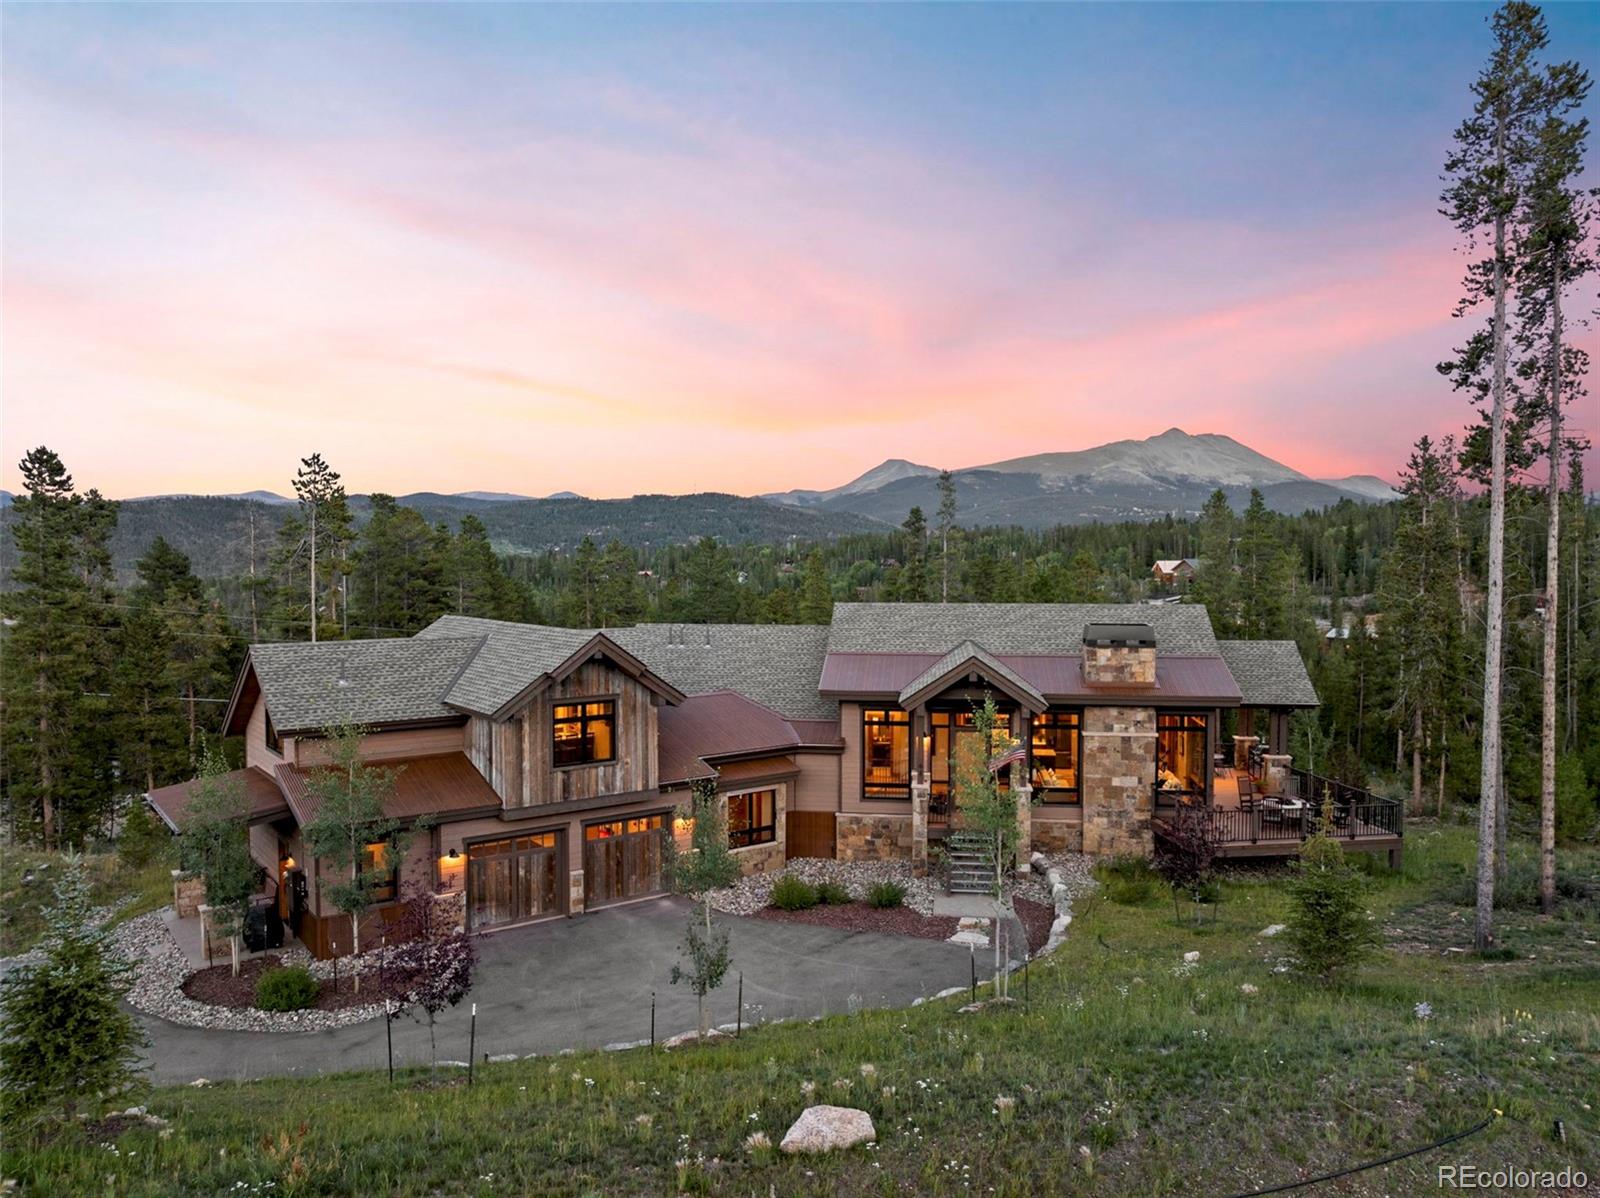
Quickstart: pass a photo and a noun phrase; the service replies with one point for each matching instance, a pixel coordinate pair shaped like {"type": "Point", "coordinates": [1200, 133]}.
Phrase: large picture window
{"type": "Point", "coordinates": [752, 818]}
{"type": "Point", "coordinates": [585, 733]}
{"type": "Point", "coordinates": [885, 753]}
{"type": "Point", "coordinates": [1181, 755]}
{"type": "Point", "coordinates": [1054, 751]}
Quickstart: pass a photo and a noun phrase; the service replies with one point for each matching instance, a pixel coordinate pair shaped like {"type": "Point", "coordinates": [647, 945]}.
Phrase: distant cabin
{"type": "Point", "coordinates": [1173, 570]}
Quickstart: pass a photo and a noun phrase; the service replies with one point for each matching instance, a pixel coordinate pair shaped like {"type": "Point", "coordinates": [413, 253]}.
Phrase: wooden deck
{"type": "Point", "coordinates": [1278, 825]}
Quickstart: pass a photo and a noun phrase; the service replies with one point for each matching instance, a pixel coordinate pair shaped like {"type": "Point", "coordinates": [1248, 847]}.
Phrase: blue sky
{"type": "Point", "coordinates": [770, 246]}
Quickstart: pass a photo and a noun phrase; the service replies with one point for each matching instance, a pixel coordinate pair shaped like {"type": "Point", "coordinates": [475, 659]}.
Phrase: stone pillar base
{"type": "Point", "coordinates": [919, 828]}
{"type": "Point", "coordinates": [575, 892]}
{"type": "Point", "coordinates": [1275, 771]}
{"type": "Point", "coordinates": [1241, 751]}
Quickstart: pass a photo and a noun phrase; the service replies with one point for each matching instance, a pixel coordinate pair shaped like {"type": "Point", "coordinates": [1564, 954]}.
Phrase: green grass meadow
{"type": "Point", "coordinates": [1128, 1072]}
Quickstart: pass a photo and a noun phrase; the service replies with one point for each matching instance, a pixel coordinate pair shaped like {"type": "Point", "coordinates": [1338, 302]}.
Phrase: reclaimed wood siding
{"type": "Point", "coordinates": [386, 746]}
{"type": "Point", "coordinates": [634, 767]}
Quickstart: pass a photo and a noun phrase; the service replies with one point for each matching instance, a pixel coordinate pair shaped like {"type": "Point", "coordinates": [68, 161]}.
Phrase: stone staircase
{"type": "Point", "coordinates": [971, 864]}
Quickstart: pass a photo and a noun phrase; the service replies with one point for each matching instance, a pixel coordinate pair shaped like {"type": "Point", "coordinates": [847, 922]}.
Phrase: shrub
{"type": "Point", "coordinates": [1185, 854]}
{"type": "Point", "coordinates": [290, 988]}
{"type": "Point", "coordinates": [789, 893]}
{"type": "Point", "coordinates": [1328, 923]}
{"type": "Point", "coordinates": [142, 839]}
{"type": "Point", "coordinates": [832, 894]}
{"type": "Point", "coordinates": [1128, 880]}
{"type": "Point", "coordinates": [885, 895]}
{"type": "Point", "coordinates": [1575, 809]}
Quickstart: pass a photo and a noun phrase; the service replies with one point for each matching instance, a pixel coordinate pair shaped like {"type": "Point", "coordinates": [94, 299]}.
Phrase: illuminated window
{"type": "Point", "coordinates": [885, 753]}
{"type": "Point", "coordinates": [1054, 752]}
{"type": "Point", "coordinates": [378, 858]}
{"type": "Point", "coordinates": [1181, 755]}
{"type": "Point", "coordinates": [585, 733]}
{"type": "Point", "coordinates": [752, 818]}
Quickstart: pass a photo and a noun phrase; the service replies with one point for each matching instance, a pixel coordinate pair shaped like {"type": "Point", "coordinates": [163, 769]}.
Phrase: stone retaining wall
{"type": "Point", "coordinates": [1057, 835]}
{"type": "Point", "coordinates": [872, 837]}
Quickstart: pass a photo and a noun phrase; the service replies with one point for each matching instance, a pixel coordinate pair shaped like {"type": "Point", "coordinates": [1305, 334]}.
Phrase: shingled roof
{"type": "Point", "coordinates": [1269, 673]}
{"type": "Point", "coordinates": [778, 665]}
{"type": "Point", "coordinates": [969, 656]}
{"type": "Point", "coordinates": [311, 686]}
{"type": "Point", "coordinates": [513, 655]}
{"type": "Point", "coordinates": [1182, 629]}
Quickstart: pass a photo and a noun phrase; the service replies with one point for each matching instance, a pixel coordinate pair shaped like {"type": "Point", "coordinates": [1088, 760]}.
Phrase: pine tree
{"type": "Point", "coordinates": [65, 1041]}
{"type": "Point", "coordinates": [581, 598]}
{"type": "Point", "coordinates": [1265, 574]}
{"type": "Point", "coordinates": [710, 594]}
{"type": "Point", "coordinates": [398, 574]}
{"type": "Point", "coordinates": [913, 582]}
{"type": "Point", "coordinates": [1421, 611]}
{"type": "Point", "coordinates": [480, 586]}
{"type": "Point", "coordinates": [947, 523]}
{"type": "Point", "coordinates": [1486, 171]}
{"type": "Point", "coordinates": [620, 600]}
{"type": "Point", "coordinates": [1083, 579]}
{"type": "Point", "coordinates": [326, 517]}
{"type": "Point", "coordinates": [1216, 583]}
{"type": "Point", "coordinates": [816, 596]}
{"type": "Point", "coordinates": [1557, 254]}
{"type": "Point", "coordinates": [57, 651]}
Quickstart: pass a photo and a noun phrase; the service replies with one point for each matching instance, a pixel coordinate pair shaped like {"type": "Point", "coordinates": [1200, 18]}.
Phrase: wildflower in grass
{"type": "Point", "coordinates": [757, 1142]}
{"type": "Point", "coordinates": [1192, 956]}
{"type": "Point", "coordinates": [841, 1083]}
{"type": "Point", "coordinates": [1423, 1010]}
{"type": "Point", "coordinates": [807, 1089]}
{"type": "Point", "coordinates": [888, 1092]}
{"type": "Point", "coordinates": [1004, 1105]}
{"type": "Point", "coordinates": [869, 1071]}
{"type": "Point", "coordinates": [1247, 989]}
{"type": "Point", "coordinates": [644, 1123]}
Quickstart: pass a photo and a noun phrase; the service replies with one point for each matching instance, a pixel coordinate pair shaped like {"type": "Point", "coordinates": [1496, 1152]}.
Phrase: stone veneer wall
{"type": "Point", "coordinates": [872, 837]}
{"type": "Point", "coordinates": [1119, 773]}
{"type": "Point", "coordinates": [760, 859]}
{"type": "Point", "coordinates": [188, 893]}
{"type": "Point", "coordinates": [1057, 835]}
{"type": "Point", "coordinates": [1119, 665]}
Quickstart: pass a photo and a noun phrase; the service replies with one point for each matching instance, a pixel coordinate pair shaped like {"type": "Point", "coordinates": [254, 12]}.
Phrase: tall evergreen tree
{"type": "Point", "coordinates": [620, 600]}
{"type": "Point", "coordinates": [1557, 255]}
{"type": "Point", "coordinates": [711, 591]}
{"type": "Point", "coordinates": [56, 649]}
{"type": "Point", "coordinates": [1265, 574]}
{"type": "Point", "coordinates": [1216, 583]}
{"type": "Point", "coordinates": [1486, 171]}
{"type": "Point", "coordinates": [1421, 633]}
{"type": "Point", "coordinates": [816, 596]}
{"type": "Point", "coordinates": [480, 586]}
{"type": "Point", "coordinates": [947, 523]}
{"type": "Point", "coordinates": [326, 517]}
{"type": "Point", "coordinates": [397, 577]}
{"type": "Point", "coordinates": [913, 585]}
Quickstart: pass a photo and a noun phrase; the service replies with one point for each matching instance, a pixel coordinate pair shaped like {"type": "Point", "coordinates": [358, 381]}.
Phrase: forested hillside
{"type": "Point", "coordinates": [140, 662]}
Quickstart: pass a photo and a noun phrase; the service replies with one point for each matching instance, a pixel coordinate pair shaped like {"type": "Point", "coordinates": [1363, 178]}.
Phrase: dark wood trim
{"type": "Point", "coordinates": [570, 806]}
{"type": "Point", "coordinates": [443, 721]}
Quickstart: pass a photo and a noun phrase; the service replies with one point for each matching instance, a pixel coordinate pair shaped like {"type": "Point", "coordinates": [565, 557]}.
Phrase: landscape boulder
{"type": "Point", "coordinates": [824, 1128]}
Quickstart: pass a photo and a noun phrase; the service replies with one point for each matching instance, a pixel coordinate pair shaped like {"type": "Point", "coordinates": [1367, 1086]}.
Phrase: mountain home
{"type": "Point", "coordinates": [550, 762]}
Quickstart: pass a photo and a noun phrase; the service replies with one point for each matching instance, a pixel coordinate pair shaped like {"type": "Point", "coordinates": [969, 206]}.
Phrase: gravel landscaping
{"type": "Point", "coordinates": [219, 987]}
{"type": "Point", "coordinates": [161, 970]}
{"type": "Point", "coordinates": [751, 894]}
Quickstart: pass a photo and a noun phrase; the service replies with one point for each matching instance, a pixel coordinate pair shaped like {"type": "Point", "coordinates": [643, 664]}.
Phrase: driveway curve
{"type": "Point", "coordinates": [585, 983]}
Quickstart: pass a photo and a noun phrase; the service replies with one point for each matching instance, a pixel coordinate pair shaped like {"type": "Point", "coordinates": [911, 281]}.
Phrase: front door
{"type": "Point", "coordinates": [954, 751]}
{"type": "Point", "coordinates": [513, 880]}
{"type": "Point", "coordinates": [623, 859]}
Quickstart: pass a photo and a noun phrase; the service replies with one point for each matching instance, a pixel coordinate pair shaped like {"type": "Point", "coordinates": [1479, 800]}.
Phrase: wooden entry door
{"type": "Point", "coordinates": [513, 880]}
{"type": "Point", "coordinates": [808, 834]}
{"type": "Point", "coordinates": [623, 859]}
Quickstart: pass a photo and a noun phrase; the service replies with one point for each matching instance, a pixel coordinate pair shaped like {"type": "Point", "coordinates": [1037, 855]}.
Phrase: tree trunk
{"type": "Point", "coordinates": [254, 629]}
{"type": "Point", "coordinates": [1443, 757]}
{"type": "Point", "coordinates": [313, 571]}
{"type": "Point", "coordinates": [1552, 624]}
{"type": "Point", "coordinates": [1416, 759]}
{"type": "Point", "coordinates": [233, 953]}
{"type": "Point", "coordinates": [1489, 775]}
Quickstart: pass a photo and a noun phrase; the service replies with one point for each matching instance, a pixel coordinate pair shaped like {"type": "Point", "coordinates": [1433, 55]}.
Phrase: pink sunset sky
{"type": "Point", "coordinates": [621, 250]}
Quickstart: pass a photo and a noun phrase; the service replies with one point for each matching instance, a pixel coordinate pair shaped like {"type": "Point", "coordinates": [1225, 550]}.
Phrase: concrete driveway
{"type": "Point", "coordinates": [586, 982]}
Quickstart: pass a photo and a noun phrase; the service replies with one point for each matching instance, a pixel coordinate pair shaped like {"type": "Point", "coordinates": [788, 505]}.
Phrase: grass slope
{"type": "Point", "coordinates": [1130, 1072]}
{"type": "Point", "coordinates": [110, 882]}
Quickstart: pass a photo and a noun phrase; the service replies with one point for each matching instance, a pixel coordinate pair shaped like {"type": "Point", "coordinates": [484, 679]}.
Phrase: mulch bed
{"type": "Point", "coordinates": [858, 917]}
{"type": "Point", "coordinates": [1036, 920]}
{"type": "Point", "coordinates": [220, 988]}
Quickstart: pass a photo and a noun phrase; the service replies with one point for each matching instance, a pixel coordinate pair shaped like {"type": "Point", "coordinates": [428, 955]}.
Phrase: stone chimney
{"type": "Point", "coordinates": [1119, 655]}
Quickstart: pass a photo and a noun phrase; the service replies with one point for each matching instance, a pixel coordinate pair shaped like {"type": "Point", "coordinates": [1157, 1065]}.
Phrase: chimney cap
{"type": "Point", "coordinates": [1124, 636]}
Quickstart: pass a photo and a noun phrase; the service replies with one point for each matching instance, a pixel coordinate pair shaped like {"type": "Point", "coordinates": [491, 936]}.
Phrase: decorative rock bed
{"type": "Point", "coordinates": [160, 969]}
{"type": "Point", "coordinates": [748, 895]}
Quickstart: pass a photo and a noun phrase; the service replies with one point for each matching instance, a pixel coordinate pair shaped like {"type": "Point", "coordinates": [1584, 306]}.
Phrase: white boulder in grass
{"type": "Point", "coordinates": [824, 1128]}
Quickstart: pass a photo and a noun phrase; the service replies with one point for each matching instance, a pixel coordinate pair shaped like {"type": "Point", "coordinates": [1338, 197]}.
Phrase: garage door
{"type": "Point", "coordinates": [513, 880]}
{"type": "Point", "coordinates": [623, 859]}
